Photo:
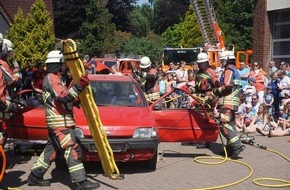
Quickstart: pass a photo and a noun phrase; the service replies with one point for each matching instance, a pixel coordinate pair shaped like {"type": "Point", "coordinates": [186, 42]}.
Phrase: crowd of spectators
{"type": "Point", "coordinates": [265, 99]}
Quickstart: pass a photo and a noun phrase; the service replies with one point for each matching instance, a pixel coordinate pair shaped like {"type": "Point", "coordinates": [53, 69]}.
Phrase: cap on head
{"type": "Point", "coordinates": [251, 79]}
{"type": "Point", "coordinates": [202, 57]}
{"type": "Point", "coordinates": [145, 62]}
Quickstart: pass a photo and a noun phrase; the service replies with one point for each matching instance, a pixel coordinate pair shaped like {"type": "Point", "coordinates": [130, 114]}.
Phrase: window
{"type": "Point", "coordinates": [281, 36]}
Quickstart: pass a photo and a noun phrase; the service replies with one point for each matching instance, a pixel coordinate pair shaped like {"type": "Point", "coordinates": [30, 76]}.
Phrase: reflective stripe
{"type": "Point", "coordinates": [202, 75]}
{"type": "Point", "coordinates": [65, 140]}
{"type": "Point", "coordinates": [40, 163]}
{"type": "Point", "coordinates": [76, 168]}
{"type": "Point", "coordinates": [67, 153]}
{"type": "Point", "coordinates": [73, 92]}
{"type": "Point", "coordinates": [225, 117]}
{"type": "Point", "coordinates": [60, 120]}
{"type": "Point", "coordinates": [233, 140]}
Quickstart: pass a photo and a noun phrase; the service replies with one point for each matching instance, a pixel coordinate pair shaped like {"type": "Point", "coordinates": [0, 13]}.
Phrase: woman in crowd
{"type": "Point", "coordinates": [261, 120]}
{"type": "Point", "coordinates": [259, 84]}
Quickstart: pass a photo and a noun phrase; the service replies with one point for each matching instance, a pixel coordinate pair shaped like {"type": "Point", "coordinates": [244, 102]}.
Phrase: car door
{"type": "Point", "coordinates": [186, 122]}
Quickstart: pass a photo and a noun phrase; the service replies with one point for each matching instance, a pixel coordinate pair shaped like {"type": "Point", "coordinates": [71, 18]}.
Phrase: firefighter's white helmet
{"type": "Point", "coordinates": [1, 37]}
{"type": "Point", "coordinates": [145, 62]}
{"type": "Point", "coordinates": [54, 56]}
{"type": "Point", "coordinates": [7, 44]}
{"type": "Point", "coordinates": [202, 57]}
{"type": "Point", "coordinates": [226, 55]}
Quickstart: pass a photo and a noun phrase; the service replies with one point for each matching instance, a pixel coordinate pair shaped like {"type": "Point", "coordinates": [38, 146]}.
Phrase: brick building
{"type": "Point", "coordinates": [271, 32]}
{"type": "Point", "coordinates": [9, 8]}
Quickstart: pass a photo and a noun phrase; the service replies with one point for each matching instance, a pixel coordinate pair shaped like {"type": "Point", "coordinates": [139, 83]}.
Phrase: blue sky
{"type": "Point", "coordinates": [140, 2]}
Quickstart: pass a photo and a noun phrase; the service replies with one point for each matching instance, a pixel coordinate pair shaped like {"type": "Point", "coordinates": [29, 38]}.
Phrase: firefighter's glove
{"type": "Point", "coordinates": [3, 106]}
{"type": "Point", "coordinates": [84, 81]}
{"type": "Point", "coordinates": [227, 90]}
{"type": "Point", "coordinates": [20, 104]}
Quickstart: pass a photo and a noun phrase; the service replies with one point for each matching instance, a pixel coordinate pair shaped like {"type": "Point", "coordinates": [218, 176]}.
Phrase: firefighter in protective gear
{"type": "Point", "coordinates": [58, 103]}
{"type": "Point", "coordinates": [7, 81]}
{"type": "Point", "coordinates": [206, 81]}
{"type": "Point", "coordinates": [228, 103]}
{"type": "Point", "coordinates": [148, 79]}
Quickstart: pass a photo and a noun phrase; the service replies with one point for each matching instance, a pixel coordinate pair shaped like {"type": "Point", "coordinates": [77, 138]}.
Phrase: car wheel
{"type": "Point", "coordinates": [152, 163]}
{"type": "Point", "coordinates": [60, 163]}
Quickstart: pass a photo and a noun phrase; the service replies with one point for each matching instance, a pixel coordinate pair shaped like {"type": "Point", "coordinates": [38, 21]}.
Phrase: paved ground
{"type": "Point", "coordinates": [176, 169]}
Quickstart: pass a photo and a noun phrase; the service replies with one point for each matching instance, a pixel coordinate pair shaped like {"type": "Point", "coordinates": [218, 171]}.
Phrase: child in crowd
{"type": "Point", "coordinates": [249, 90]}
{"type": "Point", "coordinates": [162, 84]}
{"type": "Point", "coordinates": [268, 100]}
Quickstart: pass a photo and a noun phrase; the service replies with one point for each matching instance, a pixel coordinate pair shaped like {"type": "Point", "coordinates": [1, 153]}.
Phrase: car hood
{"type": "Point", "coordinates": [118, 121]}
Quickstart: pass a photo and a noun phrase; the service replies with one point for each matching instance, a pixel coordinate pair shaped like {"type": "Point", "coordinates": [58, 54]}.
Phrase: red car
{"type": "Point", "coordinates": [134, 129]}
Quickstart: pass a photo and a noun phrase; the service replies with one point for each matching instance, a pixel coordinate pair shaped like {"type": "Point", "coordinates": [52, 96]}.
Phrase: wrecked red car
{"type": "Point", "coordinates": [134, 129]}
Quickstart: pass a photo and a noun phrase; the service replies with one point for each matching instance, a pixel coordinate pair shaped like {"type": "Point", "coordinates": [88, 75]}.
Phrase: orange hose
{"type": "Point", "coordinates": [4, 163]}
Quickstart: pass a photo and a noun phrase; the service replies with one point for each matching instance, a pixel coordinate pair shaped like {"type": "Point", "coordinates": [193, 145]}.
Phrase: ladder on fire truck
{"type": "Point", "coordinates": [209, 28]}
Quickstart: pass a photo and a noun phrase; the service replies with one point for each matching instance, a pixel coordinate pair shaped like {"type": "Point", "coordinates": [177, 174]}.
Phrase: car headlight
{"type": "Point", "coordinates": [145, 133]}
{"type": "Point", "coordinates": [79, 133]}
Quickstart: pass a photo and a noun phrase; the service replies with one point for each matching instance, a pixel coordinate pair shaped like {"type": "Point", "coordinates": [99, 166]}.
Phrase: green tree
{"type": "Point", "coordinates": [97, 30]}
{"type": "Point", "coordinates": [34, 39]}
{"type": "Point", "coordinates": [235, 18]}
{"type": "Point", "coordinates": [17, 34]}
{"type": "Point", "coordinates": [184, 34]}
{"type": "Point", "coordinates": [139, 23]}
{"type": "Point", "coordinates": [151, 46]}
{"type": "Point", "coordinates": [68, 17]}
{"type": "Point", "coordinates": [190, 33]}
{"type": "Point", "coordinates": [167, 13]}
{"type": "Point", "coordinates": [120, 39]}
{"type": "Point", "coordinates": [120, 9]}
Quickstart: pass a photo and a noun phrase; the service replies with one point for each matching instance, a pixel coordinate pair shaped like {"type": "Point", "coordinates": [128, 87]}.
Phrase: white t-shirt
{"type": "Point", "coordinates": [182, 75]}
{"type": "Point", "coordinates": [248, 92]}
{"type": "Point", "coordinates": [284, 82]}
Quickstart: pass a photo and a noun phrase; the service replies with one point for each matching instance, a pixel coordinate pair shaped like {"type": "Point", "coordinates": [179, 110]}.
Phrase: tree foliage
{"type": "Point", "coordinates": [151, 46]}
{"type": "Point", "coordinates": [235, 18]}
{"type": "Point", "coordinates": [97, 30]}
{"type": "Point", "coordinates": [139, 23]}
{"type": "Point", "coordinates": [32, 36]}
{"type": "Point", "coordinates": [120, 9]}
{"type": "Point", "coordinates": [167, 13]}
{"type": "Point", "coordinates": [184, 34]}
{"type": "Point", "coordinates": [68, 17]}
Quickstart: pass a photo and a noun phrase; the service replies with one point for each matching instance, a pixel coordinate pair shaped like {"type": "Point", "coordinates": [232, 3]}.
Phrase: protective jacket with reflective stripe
{"type": "Point", "coordinates": [58, 101]}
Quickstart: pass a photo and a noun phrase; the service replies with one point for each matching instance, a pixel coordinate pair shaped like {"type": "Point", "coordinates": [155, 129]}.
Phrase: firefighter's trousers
{"type": "Point", "coordinates": [70, 150]}
{"type": "Point", "coordinates": [227, 121]}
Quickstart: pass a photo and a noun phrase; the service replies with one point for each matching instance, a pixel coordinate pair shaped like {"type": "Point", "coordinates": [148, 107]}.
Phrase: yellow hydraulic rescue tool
{"type": "Point", "coordinates": [91, 111]}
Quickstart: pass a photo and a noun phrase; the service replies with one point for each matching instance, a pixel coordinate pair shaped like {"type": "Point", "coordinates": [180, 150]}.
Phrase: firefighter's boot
{"type": "Point", "coordinates": [36, 181]}
{"type": "Point", "coordinates": [235, 153]}
{"type": "Point", "coordinates": [87, 185]}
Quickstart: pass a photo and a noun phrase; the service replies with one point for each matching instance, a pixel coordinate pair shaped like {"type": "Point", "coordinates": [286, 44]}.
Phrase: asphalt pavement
{"type": "Point", "coordinates": [176, 169]}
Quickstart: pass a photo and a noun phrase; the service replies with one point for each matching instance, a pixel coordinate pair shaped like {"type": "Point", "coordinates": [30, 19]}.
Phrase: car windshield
{"type": "Point", "coordinates": [117, 93]}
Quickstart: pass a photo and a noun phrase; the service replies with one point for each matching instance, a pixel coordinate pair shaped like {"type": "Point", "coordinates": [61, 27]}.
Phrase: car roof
{"type": "Point", "coordinates": [105, 77]}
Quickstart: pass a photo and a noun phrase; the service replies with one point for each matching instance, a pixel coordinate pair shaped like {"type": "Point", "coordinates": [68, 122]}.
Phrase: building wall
{"type": "Point", "coordinates": [261, 34]}
{"type": "Point", "coordinates": [273, 5]}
